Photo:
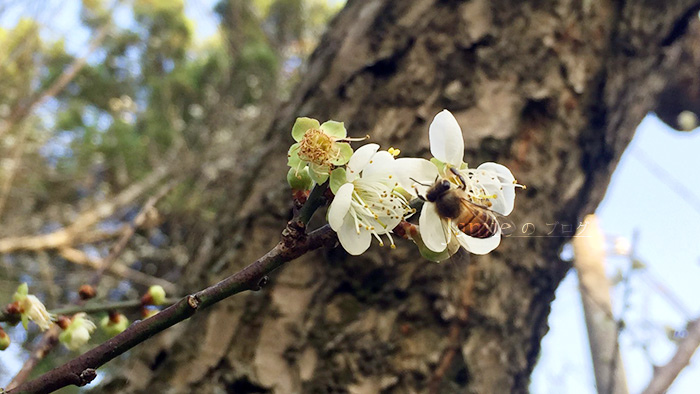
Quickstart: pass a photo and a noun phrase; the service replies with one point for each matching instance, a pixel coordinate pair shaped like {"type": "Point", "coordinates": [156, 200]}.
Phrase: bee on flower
{"type": "Point", "coordinates": [460, 203]}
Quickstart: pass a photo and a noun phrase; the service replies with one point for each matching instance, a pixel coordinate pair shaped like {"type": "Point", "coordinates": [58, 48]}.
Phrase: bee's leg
{"type": "Point", "coordinates": [462, 181]}
{"type": "Point", "coordinates": [418, 194]}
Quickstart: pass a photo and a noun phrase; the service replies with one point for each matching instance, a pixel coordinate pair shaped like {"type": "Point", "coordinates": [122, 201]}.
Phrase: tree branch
{"type": "Point", "coordinates": [81, 370]}
{"type": "Point", "coordinates": [72, 233]}
{"type": "Point", "coordinates": [64, 79]}
{"type": "Point", "coordinates": [665, 375]}
{"type": "Point", "coordinates": [46, 344]}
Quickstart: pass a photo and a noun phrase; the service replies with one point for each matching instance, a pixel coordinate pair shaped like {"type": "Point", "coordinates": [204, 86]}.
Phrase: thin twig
{"type": "Point", "coordinates": [16, 164]}
{"type": "Point", "coordinates": [71, 234]}
{"type": "Point", "coordinates": [81, 370]}
{"type": "Point", "coordinates": [92, 307]}
{"type": "Point", "coordinates": [22, 111]}
{"type": "Point", "coordinates": [46, 344]}
{"type": "Point", "coordinates": [49, 339]}
{"type": "Point", "coordinates": [108, 262]}
{"type": "Point", "coordinates": [79, 257]}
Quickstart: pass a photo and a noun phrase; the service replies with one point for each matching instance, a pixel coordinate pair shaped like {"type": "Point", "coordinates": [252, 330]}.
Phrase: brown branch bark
{"type": "Point", "coordinates": [665, 375]}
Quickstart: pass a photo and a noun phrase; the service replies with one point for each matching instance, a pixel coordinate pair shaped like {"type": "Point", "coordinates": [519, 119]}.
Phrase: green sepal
{"type": "Point", "coordinates": [345, 154]}
{"type": "Point", "coordinates": [293, 159]}
{"type": "Point", "coordinates": [299, 180]}
{"type": "Point", "coordinates": [21, 293]}
{"type": "Point", "coordinates": [301, 125]}
{"type": "Point", "coordinates": [338, 179]}
{"type": "Point", "coordinates": [334, 129]}
{"type": "Point", "coordinates": [319, 174]}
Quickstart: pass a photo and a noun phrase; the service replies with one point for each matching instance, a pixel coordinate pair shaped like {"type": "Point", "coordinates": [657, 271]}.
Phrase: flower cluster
{"type": "Point", "coordinates": [374, 191]}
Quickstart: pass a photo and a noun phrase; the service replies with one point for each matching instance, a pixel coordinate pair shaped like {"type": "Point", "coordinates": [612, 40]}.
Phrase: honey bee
{"type": "Point", "coordinates": [451, 203]}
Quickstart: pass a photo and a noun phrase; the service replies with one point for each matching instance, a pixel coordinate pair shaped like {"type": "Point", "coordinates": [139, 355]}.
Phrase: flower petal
{"type": "Point", "coordinates": [338, 179]}
{"type": "Point", "coordinates": [413, 172]}
{"type": "Point", "coordinates": [344, 153]}
{"type": "Point", "coordinates": [431, 228]}
{"type": "Point", "coordinates": [380, 166]}
{"type": "Point", "coordinates": [301, 126]}
{"type": "Point", "coordinates": [446, 140]}
{"type": "Point", "coordinates": [353, 242]}
{"type": "Point", "coordinates": [360, 159]}
{"type": "Point", "coordinates": [479, 245]}
{"type": "Point", "coordinates": [503, 187]}
{"type": "Point", "coordinates": [340, 206]}
{"type": "Point", "coordinates": [319, 173]}
{"type": "Point", "coordinates": [334, 129]}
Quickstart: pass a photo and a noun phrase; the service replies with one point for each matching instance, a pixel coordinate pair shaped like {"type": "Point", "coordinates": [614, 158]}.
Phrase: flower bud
{"type": "Point", "coordinates": [86, 292]}
{"type": "Point", "coordinates": [114, 324]}
{"type": "Point", "coordinates": [154, 296]}
{"type": "Point", "coordinates": [78, 332]}
{"type": "Point", "coordinates": [4, 340]}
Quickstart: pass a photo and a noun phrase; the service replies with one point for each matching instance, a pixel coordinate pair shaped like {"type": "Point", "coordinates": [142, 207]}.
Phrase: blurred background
{"type": "Point", "coordinates": [103, 103]}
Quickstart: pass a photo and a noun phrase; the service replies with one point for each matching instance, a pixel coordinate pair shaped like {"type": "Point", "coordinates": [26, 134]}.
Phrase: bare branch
{"type": "Point", "coordinates": [71, 234]}
{"type": "Point", "coordinates": [597, 307]}
{"type": "Point", "coordinates": [665, 375]}
{"type": "Point", "coordinates": [108, 262]}
{"type": "Point", "coordinates": [64, 79]}
{"type": "Point", "coordinates": [79, 257]}
{"type": "Point", "coordinates": [46, 344]}
{"type": "Point", "coordinates": [81, 370]}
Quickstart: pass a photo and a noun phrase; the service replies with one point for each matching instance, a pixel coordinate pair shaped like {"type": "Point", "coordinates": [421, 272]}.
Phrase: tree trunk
{"type": "Point", "coordinates": [552, 89]}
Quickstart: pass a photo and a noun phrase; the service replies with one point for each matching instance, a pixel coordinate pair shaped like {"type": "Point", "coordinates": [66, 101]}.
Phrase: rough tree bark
{"type": "Point", "coordinates": [552, 89]}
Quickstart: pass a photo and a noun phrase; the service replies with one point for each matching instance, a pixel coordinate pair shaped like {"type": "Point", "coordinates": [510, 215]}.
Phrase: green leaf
{"type": "Point", "coordinates": [338, 179]}
{"type": "Point", "coordinates": [334, 129]}
{"type": "Point", "coordinates": [301, 126]}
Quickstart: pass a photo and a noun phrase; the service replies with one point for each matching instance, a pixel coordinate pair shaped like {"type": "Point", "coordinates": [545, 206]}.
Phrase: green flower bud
{"type": "Point", "coordinates": [4, 340]}
{"type": "Point", "coordinates": [157, 294]}
{"type": "Point", "coordinates": [113, 325]}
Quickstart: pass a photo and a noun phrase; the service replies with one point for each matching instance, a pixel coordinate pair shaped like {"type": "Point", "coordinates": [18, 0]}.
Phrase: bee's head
{"type": "Point", "coordinates": [438, 189]}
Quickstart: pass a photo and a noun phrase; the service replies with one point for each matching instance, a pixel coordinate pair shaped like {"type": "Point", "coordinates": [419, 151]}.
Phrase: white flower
{"type": "Point", "coordinates": [78, 332]}
{"type": "Point", "coordinates": [36, 312]}
{"type": "Point", "coordinates": [490, 185]}
{"type": "Point", "coordinates": [366, 201]}
{"type": "Point", "coordinates": [31, 308]}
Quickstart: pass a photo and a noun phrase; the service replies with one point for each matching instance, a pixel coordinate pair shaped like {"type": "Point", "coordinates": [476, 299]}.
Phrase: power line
{"type": "Point", "coordinates": [668, 179]}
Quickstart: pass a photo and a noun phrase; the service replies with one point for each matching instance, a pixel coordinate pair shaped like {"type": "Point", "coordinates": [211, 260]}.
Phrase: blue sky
{"type": "Point", "coordinates": [645, 199]}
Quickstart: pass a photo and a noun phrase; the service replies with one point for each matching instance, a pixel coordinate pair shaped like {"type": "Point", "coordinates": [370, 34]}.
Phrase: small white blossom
{"type": "Point", "coordinates": [490, 185]}
{"type": "Point", "coordinates": [367, 202]}
{"type": "Point", "coordinates": [31, 308]}
{"type": "Point", "coordinates": [78, 332]}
